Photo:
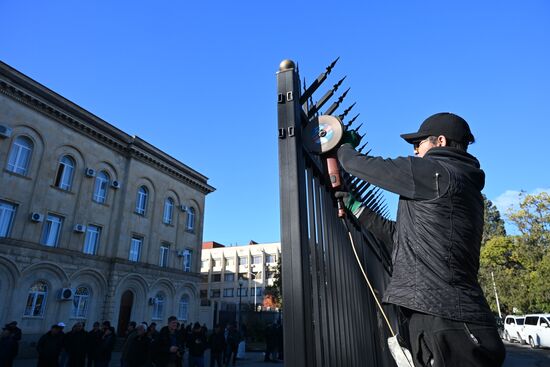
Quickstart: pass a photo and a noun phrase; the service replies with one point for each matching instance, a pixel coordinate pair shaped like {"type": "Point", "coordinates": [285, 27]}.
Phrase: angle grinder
{"type": "Point", "coordinates": [321, 136]}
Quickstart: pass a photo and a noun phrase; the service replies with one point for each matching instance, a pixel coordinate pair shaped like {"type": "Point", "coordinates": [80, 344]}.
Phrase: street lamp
{"type": "Point", "coordinates": [241, 281]}
{"type": "Point", "coordinates": [255, 284]}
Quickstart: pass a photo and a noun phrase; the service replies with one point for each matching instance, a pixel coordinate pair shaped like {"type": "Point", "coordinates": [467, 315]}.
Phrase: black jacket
{"type": "Point", "coordinates": [49, 345]}
{"type": "Point", "coordinates": [436, 238]}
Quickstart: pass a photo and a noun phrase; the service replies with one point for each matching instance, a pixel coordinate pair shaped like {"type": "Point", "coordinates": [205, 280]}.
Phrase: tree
{"type": "Point", "coordinates": [493, 225]}
{"type": "Point", "coordinates": [273, 293]}
{"type": "Point", "coordinates": [533, 218]}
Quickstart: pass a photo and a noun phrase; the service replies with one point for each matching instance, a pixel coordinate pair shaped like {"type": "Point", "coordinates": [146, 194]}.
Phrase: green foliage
{"type": "Point", "coordinates": [494, 225]}
{"type": "Point", "coordinates": [274, 293]}
{"type": "Point", "coordinates": [520, 264]}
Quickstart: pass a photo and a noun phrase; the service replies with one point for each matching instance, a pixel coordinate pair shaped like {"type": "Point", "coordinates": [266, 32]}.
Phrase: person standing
{"type": "Point", "coordinates": [232, 340]}
{"type": "Point", "coordinates": [76, 345]}
{"type": "Point", "coordinates": [170, 345]}
{"type": "Point", "coordinates": [436, 241]}
{"type": "Point", "coordinates": [197, 344]}
{"type": "Point", "coordinates": [9, 344]}
{"type": "Point", "coordinates": [130, 334]}
{"type": "Point", "coordinates": [49, 347]}
{"type": "Point", "coordinates": [138, 348]}
{"type": "Point", "coordinates": [217, 346]}
{"type": "Point", "coordinates": [106, 345]}
{"type": "Point", "coordinates": [94, 339]}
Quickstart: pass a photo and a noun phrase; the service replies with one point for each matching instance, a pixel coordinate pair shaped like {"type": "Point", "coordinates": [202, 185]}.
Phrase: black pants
{"type": "Point", "coordinates": [448, 343]}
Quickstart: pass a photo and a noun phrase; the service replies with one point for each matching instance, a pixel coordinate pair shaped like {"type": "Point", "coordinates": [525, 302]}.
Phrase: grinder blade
{"type": "Point", "coordinates": [323, 134]}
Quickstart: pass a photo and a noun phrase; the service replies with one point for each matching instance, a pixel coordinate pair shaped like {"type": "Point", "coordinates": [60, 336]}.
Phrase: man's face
{"type": "Point", "coordinates": [423, 146]}
{"type": "Point", "coordinates": [173, 325]}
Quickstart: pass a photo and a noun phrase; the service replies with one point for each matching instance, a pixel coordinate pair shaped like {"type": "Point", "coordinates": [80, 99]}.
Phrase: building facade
{"type": "Point", "coordinates": [95, 224]}
{"type": "Point", "coordinates": [236, 275]}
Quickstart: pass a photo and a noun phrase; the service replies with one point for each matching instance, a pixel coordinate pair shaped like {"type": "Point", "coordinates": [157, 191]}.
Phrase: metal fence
{"type": "Point", "coordinates": [329, 316]}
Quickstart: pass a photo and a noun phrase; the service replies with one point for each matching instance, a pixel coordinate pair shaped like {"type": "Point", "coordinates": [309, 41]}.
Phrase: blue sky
{"type": "Point", "coordinates": [197, 80]}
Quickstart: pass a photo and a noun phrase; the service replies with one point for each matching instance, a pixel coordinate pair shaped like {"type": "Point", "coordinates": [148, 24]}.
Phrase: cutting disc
{"type": "Point", "coordinates": [323, 134]}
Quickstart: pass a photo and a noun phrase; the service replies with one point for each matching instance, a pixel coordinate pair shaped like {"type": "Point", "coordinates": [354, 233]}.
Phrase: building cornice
{"type": "Point", "coordinates": [26, 91]}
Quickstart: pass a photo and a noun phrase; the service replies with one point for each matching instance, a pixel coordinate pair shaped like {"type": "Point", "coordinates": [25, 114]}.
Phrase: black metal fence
{"type": "Point", "coordinates": [329, 316]}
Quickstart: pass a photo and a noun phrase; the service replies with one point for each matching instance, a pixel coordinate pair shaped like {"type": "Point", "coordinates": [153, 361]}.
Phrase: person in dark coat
{"type": "Point", "coordinates": [49, 347]}
{"type": "Point", "coordinates": [269, 335]}
{"type": "Point", "coordinates": [138, 348]}
{"type": "Point", "coordinates": [9, 344]}
{"type": "Point", "coordinates": [94, 339]}
{"type": "Point", "coordinates": [197, 344]}
{"type": "Point", "coordinates": [131, 333]}
{"type": "Point", "coordinates": [232, 340]}
{"type": "Point", "coordinates": [217, 346]}
{"type": "Point", "coordinates": [76, 345]}
{"type": "Point", "coordinates": [106, 345]}
{"type": "Point", "coordinates": [170, 345]}
{"type": "Point", "coordinates": [435, 241]}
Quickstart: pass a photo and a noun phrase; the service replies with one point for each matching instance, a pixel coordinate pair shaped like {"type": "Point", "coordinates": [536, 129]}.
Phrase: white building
{"type": "Point", "coordinates": [234, 275]}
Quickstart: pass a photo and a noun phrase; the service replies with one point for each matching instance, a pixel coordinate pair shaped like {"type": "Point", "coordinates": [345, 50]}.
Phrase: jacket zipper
{"type": "Point", "coordinates": [437, 182]}
{"type": "Point", "coordinates": [472, 336]}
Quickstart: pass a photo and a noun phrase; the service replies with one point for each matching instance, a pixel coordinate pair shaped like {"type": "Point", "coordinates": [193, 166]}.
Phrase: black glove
{"type": "Point", "coordinates": [351, 137]}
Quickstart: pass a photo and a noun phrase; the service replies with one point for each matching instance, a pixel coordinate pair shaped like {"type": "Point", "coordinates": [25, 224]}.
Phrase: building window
{"type": "Point", "coordinates": [243, 276]}
{"type": "Point", "coordinates": [91, 242]}
{"type": "Point", "coordinates": [7, 213]}
{"type": "Point", "coordinates": [228, 292]}
{"type": "Point", "coordinates": [204, 264]}
{"type": "Point", "coordinates": [229, 277]}
{"type": "Point", "coordinates": [36, 299]}
{"type": "Point", "coordinates": [243, 260]}
{"type": "Point", "coordinates": [203, 293]}
{"type": "Point", "coordinates": [158, 307]}
{"type": "Point", "coordinates": [259, 291]}
{"type": "Point", "coordinates": [81, 301]}
{"type": "Point", "coordinates": [163, 259]}
{"type": "Point", "coordinates": [100, 187]}
{"type": "Point", "coordinates": [229, 262]}
{"type": "Point", "coordinates": [20, 155]}
{"type": "Point", "coordinates": [190, 219]}
{"type": "Point", "coordinates": [270, 258]}
{"type": "Point", "coordinates": [214, 293]}
{"type": "Point", "coordinates": [141, 202]}
{"type": "Point", "coordinates": [257, 259]}
{"type": "Point", "coordinates": [216, 263]}
{"type": "Point", "coordinates": [135, 248]}
{"type": "Point", "coordinates": [270, 275]}
{"type": "Point", "coordinates": [242, 292]}
{"type": "Point", "coordinates": [52, 230]}
{"type": "Point", "coordinates": [183, 309]}
{"type": "Point", "coordinates": [187, 259]}
{"type": "Point", "coordinates": [64, 177]}
{"type": "Point", "coordinates": [216, 278]}
{"type": "Point", "coordinates": [168, 211]}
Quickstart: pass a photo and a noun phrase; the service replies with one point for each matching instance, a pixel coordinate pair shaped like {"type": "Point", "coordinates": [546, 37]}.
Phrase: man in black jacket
{"type": "Point", "coordinates": [436, 241]}
{"type": "Point", "coordinates": [49, 347]}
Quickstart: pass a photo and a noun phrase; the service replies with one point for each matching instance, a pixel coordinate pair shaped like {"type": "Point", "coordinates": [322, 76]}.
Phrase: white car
{"type": "Point", "coordinates": [512, 328]}
{"type": "Point", "coordinates": [536, 330]}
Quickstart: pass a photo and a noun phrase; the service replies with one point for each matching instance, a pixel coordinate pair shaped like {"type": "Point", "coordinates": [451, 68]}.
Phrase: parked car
{"type": "Point", "coordinates": [536, 330]}
{"type": "Point", "coordinates": [512, 327]}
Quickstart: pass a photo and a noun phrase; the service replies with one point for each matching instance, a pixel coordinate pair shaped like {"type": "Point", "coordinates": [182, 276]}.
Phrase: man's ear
{"type": "Point", "coordinates": [441, 141]}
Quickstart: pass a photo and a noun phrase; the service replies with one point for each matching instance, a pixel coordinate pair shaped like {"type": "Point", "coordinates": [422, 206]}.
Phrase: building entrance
{"type": "Point", "coordinates": [125, 312]}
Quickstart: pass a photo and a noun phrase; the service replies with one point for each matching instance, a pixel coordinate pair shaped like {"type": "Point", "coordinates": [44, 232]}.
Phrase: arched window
{"type": "Point", "coordinates": [183, 309]}
{"type": "Point", "coordinates": [158, 307]}
{"type": "Point", "coordinates": [141, 202]}
{"type": "Point", "coordinates": [20, 155]}
{"type": "Point", "coordinates": [168, 211]}
{"type": "Point", "coordinates": [36, 299]}
{"type": "Point", "coordinates": [81, 301]}
{"type": "Point", "coordinates": [64, 177]}
{"type": "Point", "coordinates": [100, 187]}
{"type": "Point", "coordinates": [190, 219]}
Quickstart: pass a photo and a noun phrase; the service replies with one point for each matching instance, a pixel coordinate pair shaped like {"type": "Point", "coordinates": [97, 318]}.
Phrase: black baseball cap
{"type": "Point", "coordinates": [448, 124]}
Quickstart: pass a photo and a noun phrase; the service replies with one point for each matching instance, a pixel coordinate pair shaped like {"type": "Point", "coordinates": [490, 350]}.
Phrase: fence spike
{"type": "Point", "coordinates": [336, 104]}
{"type": "Point", "coordinates": [352, 120]}
{"type": "Point", "coordinates": [317, 83]}
{"type": "Point", "coordinates": [346, 111]}
{"type": "Point", "coordinates": [324, 99]}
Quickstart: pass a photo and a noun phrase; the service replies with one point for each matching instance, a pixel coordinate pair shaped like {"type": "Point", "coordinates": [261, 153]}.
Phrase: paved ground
{"type": "Point", "coordinates": [252, 359]}
{"type": "Point", "coordinates": [523, 356]}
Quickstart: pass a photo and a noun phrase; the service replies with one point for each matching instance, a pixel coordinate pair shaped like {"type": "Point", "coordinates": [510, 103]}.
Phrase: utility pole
{"type": "Point", "coordinates": [496, 295]}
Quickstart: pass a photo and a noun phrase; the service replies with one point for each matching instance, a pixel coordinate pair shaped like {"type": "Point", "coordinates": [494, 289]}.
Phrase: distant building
{"type": "Point", "coordinates": [95, 224]}
{"type": "Point", "coordinates": [222, 267]}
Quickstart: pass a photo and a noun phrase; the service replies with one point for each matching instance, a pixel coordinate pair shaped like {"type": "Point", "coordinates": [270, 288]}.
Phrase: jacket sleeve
{"type": "Point", "coordinates": [411, 177]}
{"type": "Point", "coordinates": [383, 229]}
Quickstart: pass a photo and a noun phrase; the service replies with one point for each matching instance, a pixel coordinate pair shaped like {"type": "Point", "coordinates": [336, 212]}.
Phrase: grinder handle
{"type": "Point", "coordinates": [335, 181]}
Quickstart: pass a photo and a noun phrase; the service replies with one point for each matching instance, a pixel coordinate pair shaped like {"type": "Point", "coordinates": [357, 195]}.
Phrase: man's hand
{"type": "Point", "coordinates": [354, 206]}
{"type": "Point", "coordinates": [351, 137]}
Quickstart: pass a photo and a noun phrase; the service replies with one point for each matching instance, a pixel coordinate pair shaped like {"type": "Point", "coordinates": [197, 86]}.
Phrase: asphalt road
{"type": "Point", "coordinates": [523, 356]}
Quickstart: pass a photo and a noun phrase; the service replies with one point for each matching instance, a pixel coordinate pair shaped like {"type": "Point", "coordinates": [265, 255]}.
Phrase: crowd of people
{"type": "Point", "coordinates": [143, 346]}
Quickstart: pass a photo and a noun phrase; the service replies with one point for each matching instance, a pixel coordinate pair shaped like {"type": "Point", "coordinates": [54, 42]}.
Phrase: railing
{"type": "Point", "coordinates": [329, 316]}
